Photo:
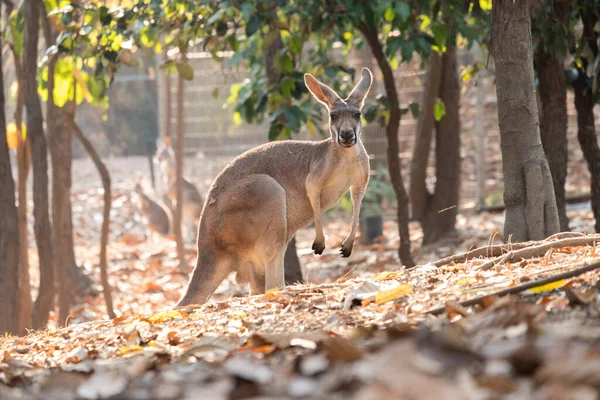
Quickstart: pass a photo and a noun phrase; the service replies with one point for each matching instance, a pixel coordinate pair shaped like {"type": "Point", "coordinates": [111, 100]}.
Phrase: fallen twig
{"type": "Point", "coordinates": [522, 287]}
{"type": "Point", "coordinates": [555, 241]}
{"type": "Point", "coordinates": [538, 251]}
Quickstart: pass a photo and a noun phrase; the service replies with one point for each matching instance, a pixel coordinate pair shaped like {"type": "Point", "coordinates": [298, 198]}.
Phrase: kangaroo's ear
{"type": "Point", "coordinates": [360, 91]}
{"type": "Point", "coordinates": [322, 92]}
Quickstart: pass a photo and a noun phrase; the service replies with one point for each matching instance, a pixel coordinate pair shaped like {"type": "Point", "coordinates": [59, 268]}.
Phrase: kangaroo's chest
{"type": "Point", "coordinates": [336, 186]}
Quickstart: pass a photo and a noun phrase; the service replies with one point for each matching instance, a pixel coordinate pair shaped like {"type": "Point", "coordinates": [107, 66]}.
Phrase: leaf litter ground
{"type": "Point", "coordinates": [359, 329]}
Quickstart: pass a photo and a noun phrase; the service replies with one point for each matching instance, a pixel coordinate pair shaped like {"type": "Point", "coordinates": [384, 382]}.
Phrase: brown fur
{"type": "Point", "coordinates": [259, 201]}
{"type": "Point", "coordinates": [192, 200]}
{"type": "Point", "coordinates": [156, 215]}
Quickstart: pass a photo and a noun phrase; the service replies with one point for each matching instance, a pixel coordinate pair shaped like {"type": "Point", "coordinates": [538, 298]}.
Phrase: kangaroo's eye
{"type": "Point", "coordinates": [333, 117]}
{"type": "Point", "coordinates": [357, 116]}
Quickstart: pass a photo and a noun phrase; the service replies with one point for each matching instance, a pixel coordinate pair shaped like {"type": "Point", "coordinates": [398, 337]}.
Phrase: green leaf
{"type": "Point", "coordinates": [415, 109]}
{"type": "Point", "coordinates": [247, 11]}
{"type": "Point", "coordinates": [287, 85]}
{"type": "Point", "coordinates": [408, 47]}
{"type": "Point", "coordinates": [252, 25]}
{"type": "Point", "coordinates": [296, 44]}
{"type": "Point", "coordinates": [439, 110]}
{"type": "Point", "coordinates": [486, 5]}
{"type": "Point", "coordinates": [389, 14]}
{"type": "Point", "coordinates": [403, 10]}
{"type": "Point", "coordinates": [287, 63]}
{"type": "Point", "coordinates": [111, 56]}
{"type": "Point", "coordinates": [104, 17]}
{"type": "Point", "coordinates": [66, 18]}
{"type": "Point", "coordinates": [62, 37]}
{"type": "Point", "coordinates": [274, 131]}
{"type": "Point", "coordinates": [185, 70]}
{"type": "Point", "coordinates": [439, 34]}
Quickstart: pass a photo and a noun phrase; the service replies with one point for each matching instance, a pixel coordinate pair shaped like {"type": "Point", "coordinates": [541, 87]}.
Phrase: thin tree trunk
{"type": "Point", "coordinates": [291, 262]}
{"type": "Point", "coordinates": [9, 235]}
{"type": "Point", "coordinates": [553, 125]}
{"type": "Point", "coordinates": [586, 135]}
{"type": "Point", "coordinates": [440, 219]}
{"type": "Point", "coordinates": [23, 164]}
{"type": "Point", "coordinates": [177, 214]}
{"type": "Point", "coordinates": [59, 142]}
{"type": "Point", "coordinates": [393, 150]}
{"type": "Point", "coordinates": [35, 131]}
{"type": "Point", "coordinates": [584, 104]}
{"type": "Point", "coordinates": [106, 184]}
{"type": "Point", "coordinates": [167, 132]}
{"type": "Point", "coordinates": [419, 195]}
{"type": "Point", "coordinates": [531, 212]}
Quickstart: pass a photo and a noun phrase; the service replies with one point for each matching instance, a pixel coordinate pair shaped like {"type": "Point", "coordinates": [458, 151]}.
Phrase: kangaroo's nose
{"type": "Point", "coordinates": [347, 134]}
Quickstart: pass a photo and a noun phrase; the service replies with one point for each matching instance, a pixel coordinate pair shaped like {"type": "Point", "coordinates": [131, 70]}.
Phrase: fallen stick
{"type": "Point", "coordinates": [537, 251]}
{"type": "Point", "coordinates": [555, 241]}
{"type": "Point", "coordinates": [523, 287]}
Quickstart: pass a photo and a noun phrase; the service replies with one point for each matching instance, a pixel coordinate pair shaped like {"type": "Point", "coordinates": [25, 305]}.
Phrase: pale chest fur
{"type": "Point", "coordinates": [340, 180]}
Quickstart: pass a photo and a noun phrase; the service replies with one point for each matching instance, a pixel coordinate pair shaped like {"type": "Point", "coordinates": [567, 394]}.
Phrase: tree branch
{"type": "Point", "coordinates": [523, 287]}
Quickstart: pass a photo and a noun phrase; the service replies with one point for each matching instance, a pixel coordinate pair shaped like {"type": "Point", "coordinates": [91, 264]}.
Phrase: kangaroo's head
{"type": "Point", "coordinates": [344, 115]}
{"type": "Point", "coordinates": [164, 152]}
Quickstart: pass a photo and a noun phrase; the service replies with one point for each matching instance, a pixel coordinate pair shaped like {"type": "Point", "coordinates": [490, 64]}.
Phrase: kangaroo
{"type": "Point", "coordinates": [192, 200]}
{"type": "Point", "coordinates": [259, 201]}
{"type": "Point", "coordinates": [156, 215]}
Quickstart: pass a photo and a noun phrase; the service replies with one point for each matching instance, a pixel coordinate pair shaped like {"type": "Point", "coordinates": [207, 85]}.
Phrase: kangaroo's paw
{"type": "Point", "coordinates": [346, 249]}
{"type": "Point", "coordinates": [318, 247]}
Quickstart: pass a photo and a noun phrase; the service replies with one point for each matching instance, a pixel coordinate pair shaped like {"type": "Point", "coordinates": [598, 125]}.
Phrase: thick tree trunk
{"type": "Point", "coordinates": [419, 195]}
{"type": "Point", "coordinates": [178, 211]}
{"type": "Point", "coordinates": [35, 131]}
{"type": "Point", "coordinates": [442, 210]}
{"type": "Point", "coordinates": [553, 125]}
{"type": "Point", "coordinates": [104, 175]}
{"type": "Point", "coordinates": [393, 150]}
{"type": "Point", "coordinates": [23, 164]}
{"type": "Point", "coordinates": [9, 235]}
{"type": "Point", "coordinates": [531, 212]}
{"type": "Point", "coordinates": [291, 262]}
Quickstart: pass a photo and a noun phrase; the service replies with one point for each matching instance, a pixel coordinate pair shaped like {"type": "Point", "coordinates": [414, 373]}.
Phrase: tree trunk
{"type": "Point", "coordinates": [393, 150]}
{"type": "Point", "coordinates": [440, 219]}
{"type": "Point", "coordinates": [291, 262]}
{"type": "Point", "coordinates": [292, 269]}
{"type": "Point", "coordinates": [35, 131]}
{"type": "Point", "coordinates": [531, 212]}
{"type": "Point", "coordinates": [23, 164]}
{"type": "Point", "coordinates": [419, 195]}
{"type": "Point", "coordinates": [9, 235]}
{"type": "Point", "coordinates": [177, 214]}
{"type": "Point", "coordinates": [59, 142]}
{"type": "Point", "coordinates": [553, 125]}
{"type": "Point", "coordinates": [106, 184]}
{"type": "Point", "coordinates": [586, 134]}
{"type": "Point", "coordinates": [584, 104]}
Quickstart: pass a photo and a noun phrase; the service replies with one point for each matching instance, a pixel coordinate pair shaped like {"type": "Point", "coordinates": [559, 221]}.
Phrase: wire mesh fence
{"type": "Point", "coordinates": [137, 112]}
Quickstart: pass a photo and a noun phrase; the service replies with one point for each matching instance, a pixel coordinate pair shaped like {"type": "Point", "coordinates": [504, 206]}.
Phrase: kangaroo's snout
{"type": "Point", "coordinates": [347, 138]}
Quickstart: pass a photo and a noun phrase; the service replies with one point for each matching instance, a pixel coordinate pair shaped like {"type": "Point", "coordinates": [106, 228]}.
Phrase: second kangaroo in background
{"type": "Point", "coordinates": [156, 215]}
{"type": "Point", "coordinates": [259, 201]}
{"type": "Point", "coordinates": [192, 200]}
